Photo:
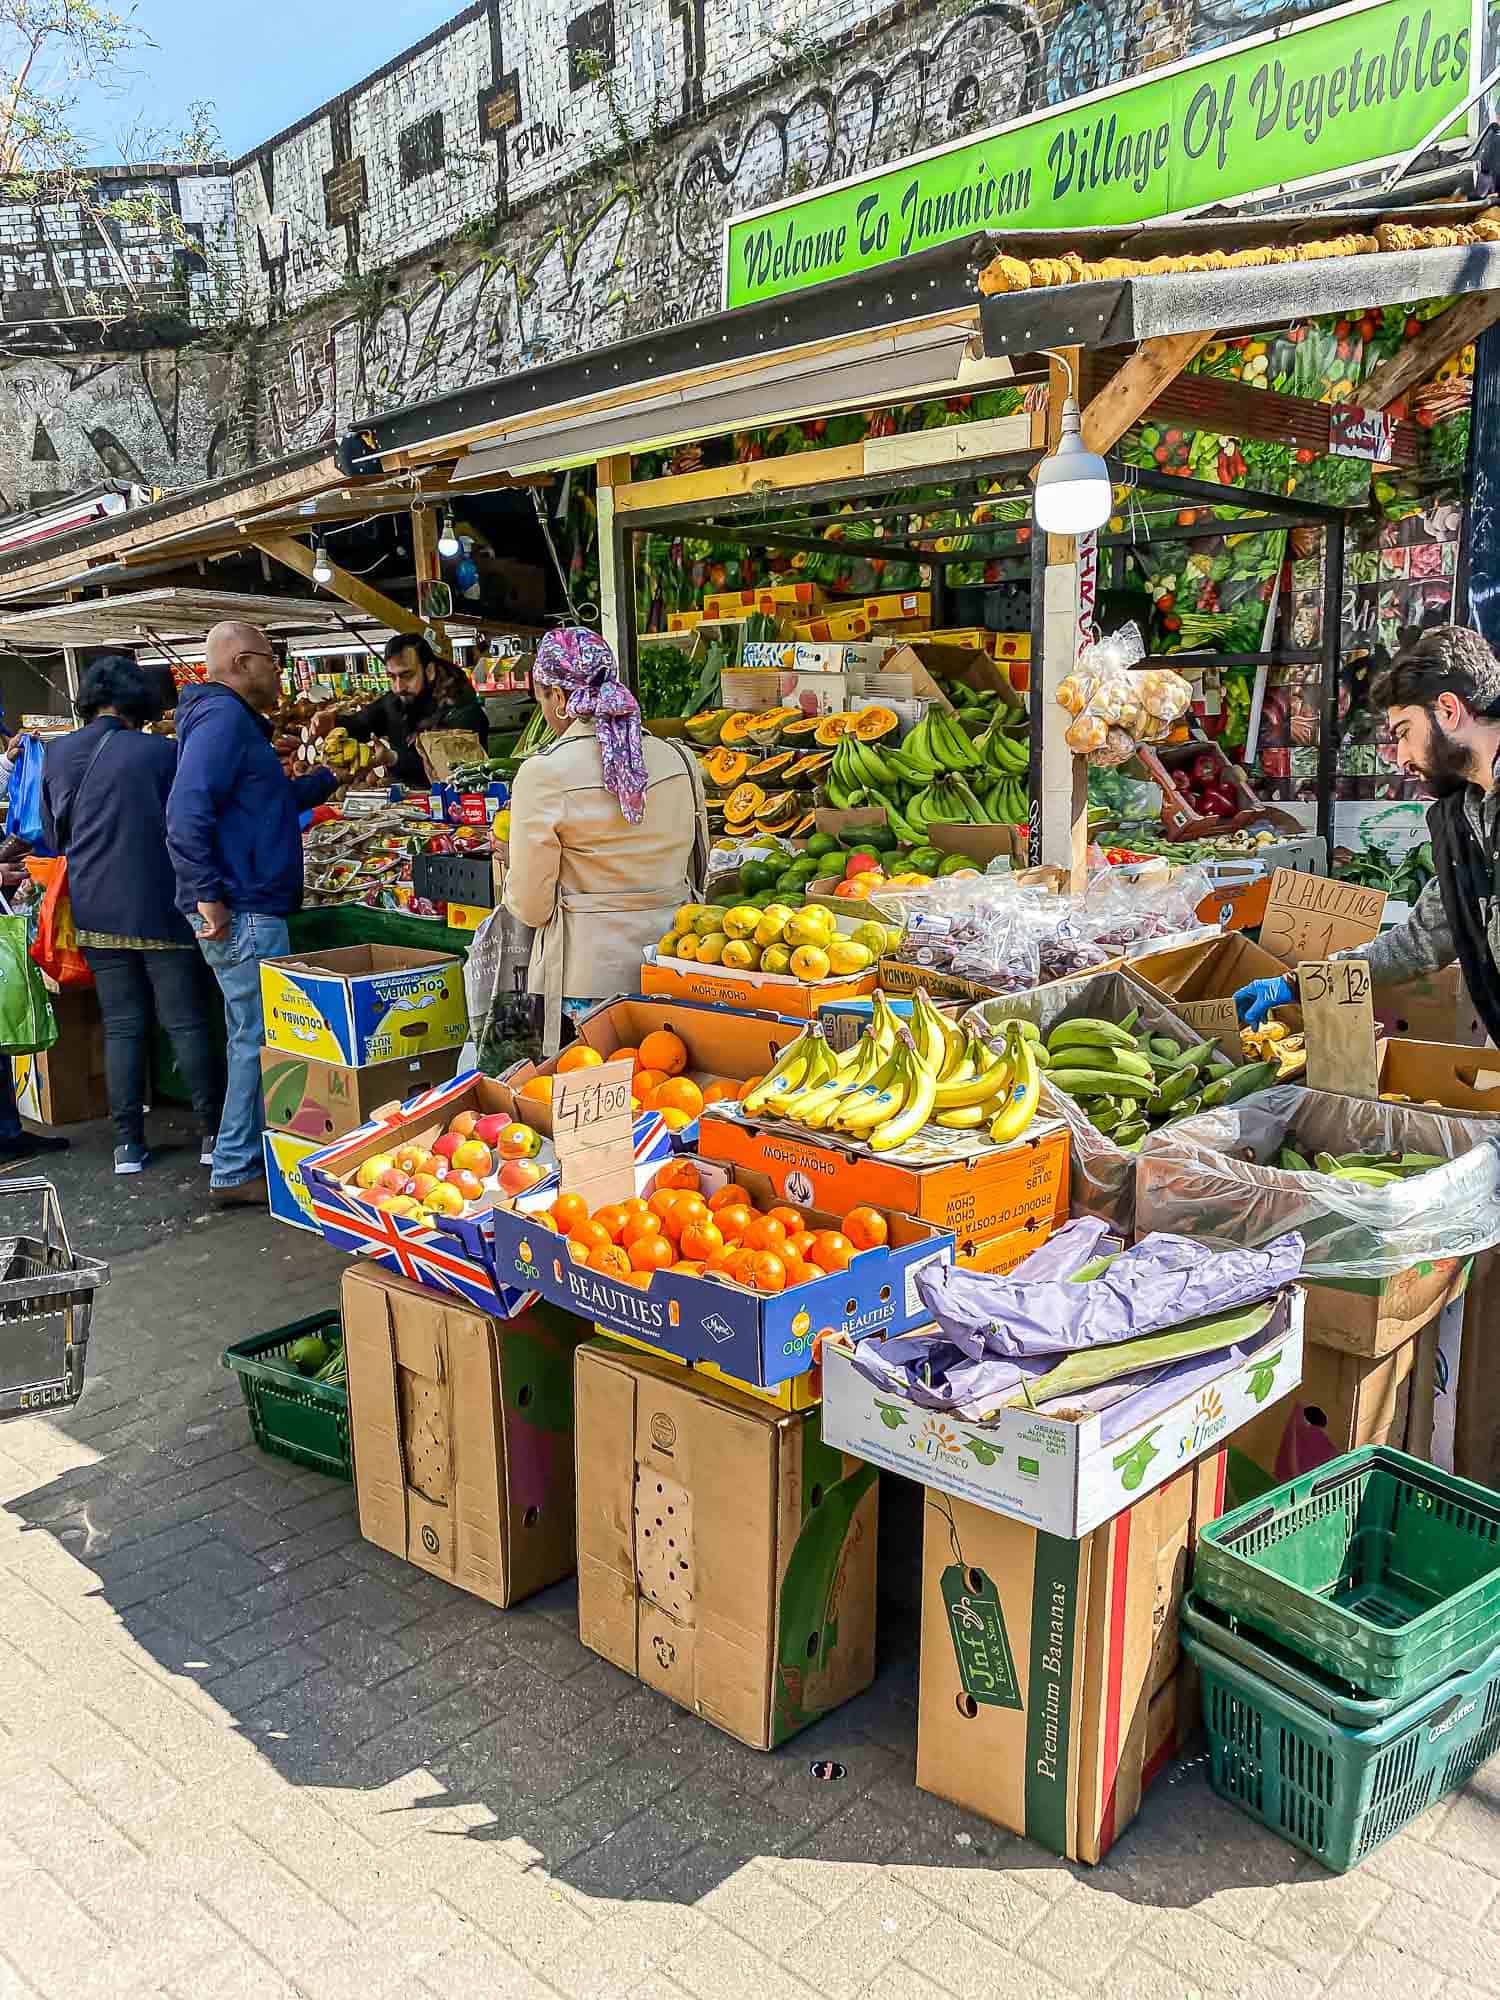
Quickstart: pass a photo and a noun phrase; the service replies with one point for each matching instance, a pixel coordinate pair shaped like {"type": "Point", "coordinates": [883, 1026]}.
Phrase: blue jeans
{"type": "Point", "coordinates": [234, 960]}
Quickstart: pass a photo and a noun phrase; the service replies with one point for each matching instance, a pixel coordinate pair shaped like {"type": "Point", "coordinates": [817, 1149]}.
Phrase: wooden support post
{"type": "Point", "coordinates": [616, 583]}
{"type": "Point", "coordinates": [295, 555]}
{"type": "Point", "coordinates": [1130, 394]}
{"type": "Point", "coordinates": [1063, 777]}
{"type": "Point", "coordinates": [429, 569]}
{"type": "Point", "coordinates": [1439, 338]}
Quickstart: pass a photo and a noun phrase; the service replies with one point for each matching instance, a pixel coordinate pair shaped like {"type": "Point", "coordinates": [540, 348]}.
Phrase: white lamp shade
{"type": "Point", "coordinates": [1073, 490]}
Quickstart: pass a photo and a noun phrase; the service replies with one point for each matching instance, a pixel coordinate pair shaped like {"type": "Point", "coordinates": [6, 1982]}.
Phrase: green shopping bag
{"type": "Point", "coordinates": [27, 1023]}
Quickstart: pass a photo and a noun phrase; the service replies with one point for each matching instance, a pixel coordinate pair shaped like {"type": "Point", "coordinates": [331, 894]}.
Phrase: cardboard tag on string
{"type": "Point", "coordinates": [1338, 1019]}
{"type": "Point", "coordinates": [1312, 916]}
{"type": "Point", "coordinates": [593, 1130]}
{"type": "Point", "coordinates": [1215, 1018]}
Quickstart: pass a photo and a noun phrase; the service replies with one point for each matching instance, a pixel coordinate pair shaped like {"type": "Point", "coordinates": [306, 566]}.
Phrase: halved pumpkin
{"type": "Point", "coordinates": [705, 728]}
{"type": "Point", "coordinates": [735, 728]}
{"type": "Point", "coordinates": [871, 724]}
{"type": "Point", "coordinates": [803, 770]}
{"type": "Point", "coordinates": [770, 767]}
{"type": "Point", "coordinates": [743, 803]}
{"type": "Point", "coordinates": [804, 825]}
{"type": "Point", "coordinates": [766, 727]}
{"type": "Point", "coordinates": [800, 732]}
{"type": "Point", "coordinates": [725, 768]}
{"type": "Point", "coordinates": [832, 727]}
{"type": "Point", "coordinates": [779, 813]}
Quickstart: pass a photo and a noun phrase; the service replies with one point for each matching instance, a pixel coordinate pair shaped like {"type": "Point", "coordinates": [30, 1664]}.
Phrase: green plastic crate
{"type": "Point", "coordinates": [1379, 1568]}
{"type": "Point", "coordinates": [291, 1415]}
{"type": "Point", "coordinates": [1336, 1792]}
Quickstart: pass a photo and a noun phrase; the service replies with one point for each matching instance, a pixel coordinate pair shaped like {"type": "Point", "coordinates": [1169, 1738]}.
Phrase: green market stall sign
{"type": "Point", "coordinates": [1352, 88]}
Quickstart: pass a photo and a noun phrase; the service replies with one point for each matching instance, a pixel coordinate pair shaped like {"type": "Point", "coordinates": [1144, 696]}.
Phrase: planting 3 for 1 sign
{"type": "Point", "coordinates": [1352, 87]}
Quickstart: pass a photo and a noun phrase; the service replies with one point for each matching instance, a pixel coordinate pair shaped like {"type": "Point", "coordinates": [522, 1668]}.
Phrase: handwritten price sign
{"type": "Point", "coordinates": [1338, 1018]}
{"type": "Point", "coordinates": [1312, 916]}
{"type": "Point", "coordinates": [593, 1131]}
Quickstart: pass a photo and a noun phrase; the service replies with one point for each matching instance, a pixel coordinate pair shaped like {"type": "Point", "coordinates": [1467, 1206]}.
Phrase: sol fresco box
{"type": "Point", "coordinates": [726, 1557]}
{"type": "Point", "coordinates": [364, 1003]}
{"type": "Point", "coordinates": [287, 1195]}
{"type": "Point", "coordinates": [997, 1190]}
{"type": "Point", "coordinates": [755, 1337]}
{"type": "Point", "coordinates": [447, 1254]}
{"type": "Point", "coordinates": [1063, 1475]}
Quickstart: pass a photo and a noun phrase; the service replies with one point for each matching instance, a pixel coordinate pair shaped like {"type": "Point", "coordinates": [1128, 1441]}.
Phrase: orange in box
{"type": "Point", "coordinates": [995, 1193]}
{"type": "Point", "coordinates": [752, 992]}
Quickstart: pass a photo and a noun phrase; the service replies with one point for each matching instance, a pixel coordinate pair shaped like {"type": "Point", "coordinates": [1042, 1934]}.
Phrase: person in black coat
{"type": "Point", "coordinates": [104, 798]}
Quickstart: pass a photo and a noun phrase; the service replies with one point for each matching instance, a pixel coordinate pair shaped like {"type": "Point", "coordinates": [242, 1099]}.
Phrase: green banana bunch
{"type": "Point", "coordinates": [1363, 1169]}
{"type": "Point", "coordinates": [1129, 1082]}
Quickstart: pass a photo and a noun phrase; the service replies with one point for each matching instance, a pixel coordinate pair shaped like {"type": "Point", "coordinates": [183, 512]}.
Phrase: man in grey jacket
{"type": "Point", "coordinates": [1442, 702]}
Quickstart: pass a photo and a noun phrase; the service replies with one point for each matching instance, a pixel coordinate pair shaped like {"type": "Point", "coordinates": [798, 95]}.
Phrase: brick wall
{"type": "Point", "coordinates": [536, 180]}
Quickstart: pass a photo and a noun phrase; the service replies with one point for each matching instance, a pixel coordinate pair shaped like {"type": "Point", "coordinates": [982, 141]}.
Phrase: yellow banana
{"type": "Point", "coordinates": [788, 1070]}
{"type": "Point", "coordinates": [914, 1113]}
{"type": "Point", "coordinates": [818, 1070]}
{"type": "Point", "coordinates": [929, 1043]}
{"type": "Point", "coordinates": [1025, 1087]}
{"type": "Point", "coordinates": [962, 1093]}
{"type": "Point", "coordinates": [880, 1098]}
{"type": "Point", "coordinates": [814, 1109]}
{"type": "Point", "coordinates": [967, 1120]}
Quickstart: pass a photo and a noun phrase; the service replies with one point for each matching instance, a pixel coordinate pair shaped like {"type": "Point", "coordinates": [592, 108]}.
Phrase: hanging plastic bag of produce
{"type": "Point", "coordinates": [1373, 1187]}
{"type": "Point", "coordinates": [27, 1023]}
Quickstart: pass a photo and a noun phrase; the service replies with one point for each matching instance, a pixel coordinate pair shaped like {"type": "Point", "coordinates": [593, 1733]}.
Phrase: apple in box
{"type": "Point", "coordinates": [480, 1160]}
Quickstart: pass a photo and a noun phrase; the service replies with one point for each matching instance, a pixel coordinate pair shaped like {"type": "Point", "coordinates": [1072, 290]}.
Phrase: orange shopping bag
{"type": "Point", "coordinates": [55, 947]}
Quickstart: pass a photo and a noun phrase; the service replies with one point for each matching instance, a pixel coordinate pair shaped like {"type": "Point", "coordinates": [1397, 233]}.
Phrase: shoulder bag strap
{"type": "Point", "coordinates": [65, 829]}
{"type": "Point", "coordinates": [699, 875]}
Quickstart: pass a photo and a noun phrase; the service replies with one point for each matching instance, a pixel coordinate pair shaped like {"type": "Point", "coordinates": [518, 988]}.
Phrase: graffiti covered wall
{"type": "Point", "coordinates": [531, 182]}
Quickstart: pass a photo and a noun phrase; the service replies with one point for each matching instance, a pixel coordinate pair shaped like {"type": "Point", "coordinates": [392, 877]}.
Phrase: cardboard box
{"type": "Point", "coordinates": [1002, 1252]}
{"type": "Point", "coordinates": [1062, 1474]}
{"type": "Point", "coordinates": [319, 1100]}
{"type": "Point", "coordinates": [1041, 1657]}
{"type": "Point", "coordinates": [287, 1194]}
{"type": "Point", "coordinates": [65, 1085]}
{"type": "Point", "coordinates": [726, 1557]}
{"type": "Point", "coordinates": [1374, 1316]}
{"type": "Point", "coordinates": [1200, 980]}
{"type": "Point", "coordinates": [450, 1254]}
{"type": "Point", "coordinates": [748, 992]}
{"type": "Point", "coordinates": [846, 626]}
{"type": "Point", "coordinates": [463, 1435]}
{"type": "Point", "coordinates": [1343, 1401]}
{"type": "Point", "coordinates": [902, 607]}
{"type": "Point", "coordinates": [364, 1003]}
{"type": "Point", "coordinates": [754, 1337]}
{"type": "Point", "coordinates": [996, 1190]}
{"type": "Point", "coordinates": [1476, 1423]}
{"type": "Point", "coordinates": [1435, 1009]}
{"type": "Point", "coordinates": [1460, 1078]}
{"type": "Point", "coordinates": [770, 598]}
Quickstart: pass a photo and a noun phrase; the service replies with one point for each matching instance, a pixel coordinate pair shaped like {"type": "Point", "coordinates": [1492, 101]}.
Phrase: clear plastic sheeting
{"type": "Point", "coordinates": [1102, 1179]}
{"type": "Point", "coordinates": [1210, 1177]}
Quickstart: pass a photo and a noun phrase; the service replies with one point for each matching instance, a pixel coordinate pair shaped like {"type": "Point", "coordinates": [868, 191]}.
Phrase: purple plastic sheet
{"type": "Point", "coordinates": [1164, 1281]}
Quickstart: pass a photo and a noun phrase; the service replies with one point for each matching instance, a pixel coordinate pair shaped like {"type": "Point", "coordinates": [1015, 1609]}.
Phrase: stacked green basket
{"type": "Point", "coordinates": [1347, 1627]}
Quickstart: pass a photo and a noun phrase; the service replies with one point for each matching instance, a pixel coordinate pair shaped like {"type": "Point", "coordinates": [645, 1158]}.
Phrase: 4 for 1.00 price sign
{"type": "Point", "coordinates": [593, 1130]}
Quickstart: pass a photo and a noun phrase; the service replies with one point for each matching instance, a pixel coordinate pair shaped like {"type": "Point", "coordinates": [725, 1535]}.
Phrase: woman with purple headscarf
{"type": "Point", "coordinates": [608, 831]}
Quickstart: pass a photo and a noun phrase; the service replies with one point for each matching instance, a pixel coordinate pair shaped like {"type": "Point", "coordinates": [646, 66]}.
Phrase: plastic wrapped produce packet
{"type": "Point", "coordinates": [1211, 1176]}
{"type": "Point", "coordinates": [1102, 1178]}
{"type": "Point", "coordinates": [1163, 1281]}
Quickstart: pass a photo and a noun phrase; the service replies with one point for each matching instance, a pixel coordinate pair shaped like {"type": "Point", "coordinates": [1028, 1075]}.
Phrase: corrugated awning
{"type": "Point", "coordinates": [146, 616]}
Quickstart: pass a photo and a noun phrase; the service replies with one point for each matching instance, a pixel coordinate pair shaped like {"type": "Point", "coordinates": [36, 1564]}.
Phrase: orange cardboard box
{"type": "Point", "coordinates": [992, 1194]}
{"type": "Point", "coordinates": [755, 992]}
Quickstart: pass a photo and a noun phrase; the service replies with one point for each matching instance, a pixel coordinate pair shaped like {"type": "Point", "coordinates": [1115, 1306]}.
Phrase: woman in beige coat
{"type": "Point", "coordinates": [608, 832]}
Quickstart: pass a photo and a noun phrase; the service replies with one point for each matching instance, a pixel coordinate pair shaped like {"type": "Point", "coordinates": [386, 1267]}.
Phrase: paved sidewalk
{"type": "Point", "coordinates": [243, 1754]}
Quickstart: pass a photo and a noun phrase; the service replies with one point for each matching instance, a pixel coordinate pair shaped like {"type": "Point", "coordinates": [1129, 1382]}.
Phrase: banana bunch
{"type": "Point", "coordinates": [1275, 1043]}
{"type": "Point", "coordinates": [342, 754]}
{"type": "Point", "coordinates": [1363, 1169]}
{"type": "Point", "coordinates": [897, 1078]}
{"type": "Point", "coordinates": [923, 780]}
{"type": "Point", "coordinates": [1129, 1082]}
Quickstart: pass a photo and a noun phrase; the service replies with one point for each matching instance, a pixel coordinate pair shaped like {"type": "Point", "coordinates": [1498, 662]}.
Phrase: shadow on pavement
{"type": "Point", "coordinates": [252, 1596]}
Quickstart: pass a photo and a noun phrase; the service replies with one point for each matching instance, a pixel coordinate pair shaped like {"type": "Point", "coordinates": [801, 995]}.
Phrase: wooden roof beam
{"type": "Point", "coordinates": [1439, 339]}
{"type": "Point", "coordinates": [295, 555]}
{"type": "Point", "coordinates": [1127, 396]}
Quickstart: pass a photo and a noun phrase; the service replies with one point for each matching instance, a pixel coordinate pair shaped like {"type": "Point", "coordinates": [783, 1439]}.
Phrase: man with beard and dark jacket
{"type": "Point", "coordinates": [425, 693]}
{"type": "Point", "coordinates": [1442, 704]}
{"type": "Point", "coordinates": [234, 836]}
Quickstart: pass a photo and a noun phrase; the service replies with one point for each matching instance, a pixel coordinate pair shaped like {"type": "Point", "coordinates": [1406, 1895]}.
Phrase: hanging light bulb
{"type": "Point", "coordinates": [322, 569]}
{"type": "Point", "coordinates": [1073, 490]}
{"type": "Point", "coordinates": [449, 545]}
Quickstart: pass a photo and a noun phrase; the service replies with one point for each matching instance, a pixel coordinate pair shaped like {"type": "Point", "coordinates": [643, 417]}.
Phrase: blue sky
{"type": "Point", "coordinates": [263, 65]}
